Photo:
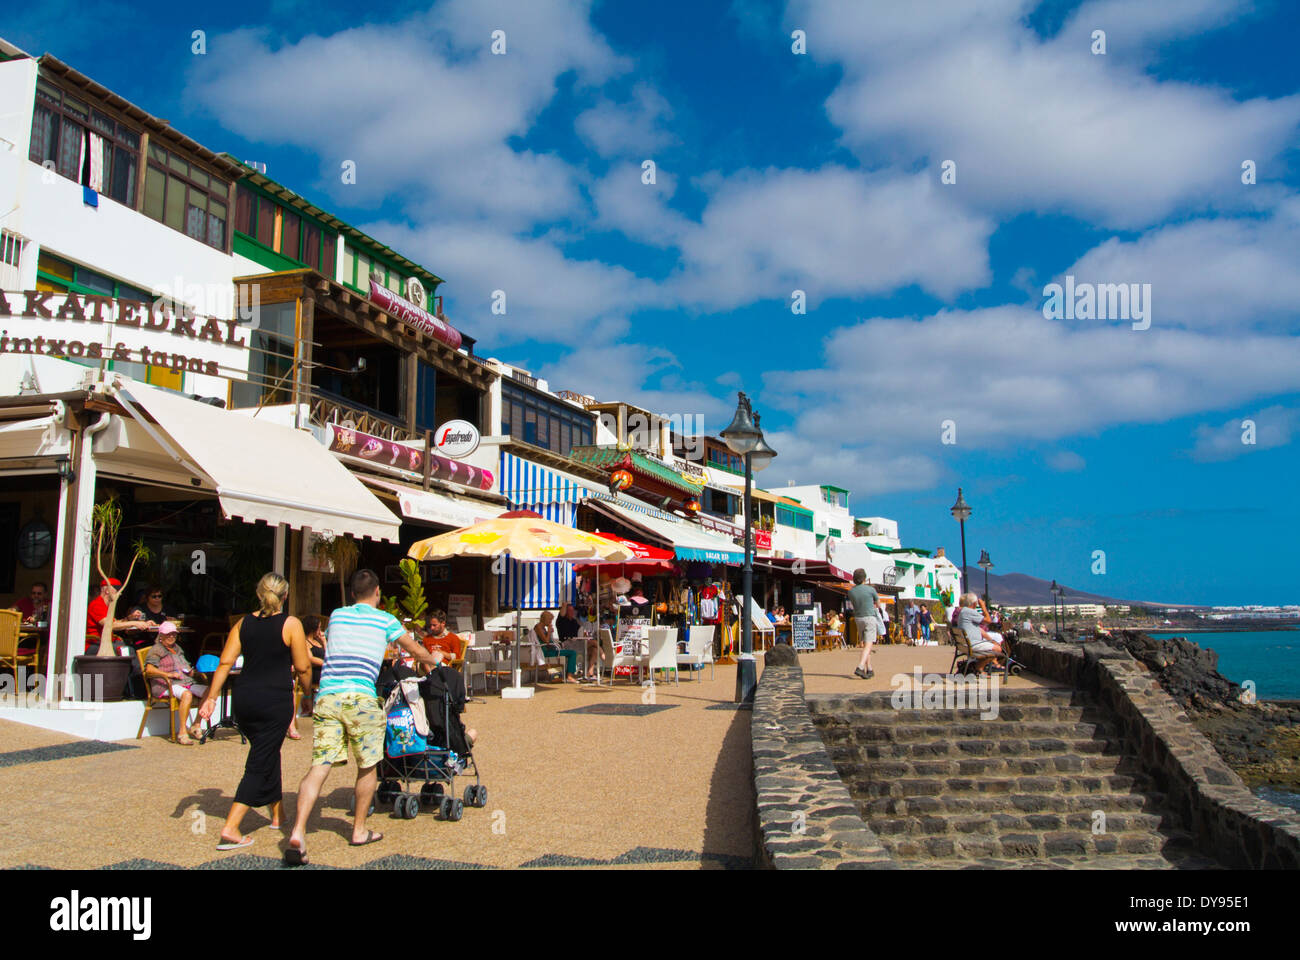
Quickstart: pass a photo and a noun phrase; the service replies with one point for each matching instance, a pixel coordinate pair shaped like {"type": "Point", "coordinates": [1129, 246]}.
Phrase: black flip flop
{"type": "Point", "coordinates": [294, 857]}
{"type": "Point", "coordinates": [371, 837]}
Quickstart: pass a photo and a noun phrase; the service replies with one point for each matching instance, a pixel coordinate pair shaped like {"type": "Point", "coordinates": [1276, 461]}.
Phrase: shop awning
{"type": "Point", "coordinates": [815, 570]}
{"type": "Point", "coordinates": [432, 506]}
{"type": "Point", "coordinates": [261, 470]}
{"type": "Point", "coordinates": [688, 541]}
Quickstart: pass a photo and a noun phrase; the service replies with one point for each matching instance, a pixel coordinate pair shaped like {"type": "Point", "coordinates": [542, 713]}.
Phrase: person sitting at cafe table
{"type": "Point", "coordinates": [151, 607]}
{"type": "Point", "coordinates": [36, 605]}
{"type": "Point", "coordinates": [544, 636]}
{"type": "Point", "coordinates": [166, 668]}
{"type": "Point", "coordinates": [97, 612]}
{"type": "Point", "coordinates": [438, 637]}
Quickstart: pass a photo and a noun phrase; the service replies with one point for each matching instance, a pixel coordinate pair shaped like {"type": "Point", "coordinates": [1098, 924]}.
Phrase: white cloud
{"type": "Point", "coordinates": [549, 297]}
{"type": "Point", "coordinates": [1273, 426]}
{"type": "Point", "coordinates": [1007, 376]}
{"type": "Point", "coordinates": [633, 129]}
{"type": "Point", "coordinates": [1038, 124]}
{"type": "Point", "coordinates": [1066, 461]}
{"type": "Point", "coordinates": [422, 105]}
{"type": "Point", "coordinates": [1223, 273]}
{"type": "Point", "coordinates": [831, 232]}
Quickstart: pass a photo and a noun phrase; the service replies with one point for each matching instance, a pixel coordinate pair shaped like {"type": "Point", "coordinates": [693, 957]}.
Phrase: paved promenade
{"type": "Point", "coordinates": [576, 776]}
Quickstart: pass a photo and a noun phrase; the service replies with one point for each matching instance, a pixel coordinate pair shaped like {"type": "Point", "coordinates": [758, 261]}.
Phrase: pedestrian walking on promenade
{"type": "Point", "coordinates": [270, 642]}
{"type": "Point", "coordinates": [863, 599]}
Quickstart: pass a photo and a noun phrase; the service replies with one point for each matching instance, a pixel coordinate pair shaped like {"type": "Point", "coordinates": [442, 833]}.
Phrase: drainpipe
{"type": "Point", "coordinates": [72, 561]}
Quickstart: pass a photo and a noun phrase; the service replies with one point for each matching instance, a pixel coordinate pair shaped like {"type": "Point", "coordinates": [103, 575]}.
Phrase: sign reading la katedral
{"type": "Point", "coordinates": [65, 310]}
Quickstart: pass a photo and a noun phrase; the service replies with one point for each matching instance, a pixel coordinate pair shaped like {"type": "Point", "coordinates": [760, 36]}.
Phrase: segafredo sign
{"type": "Point", "coordinates": [456, 438]}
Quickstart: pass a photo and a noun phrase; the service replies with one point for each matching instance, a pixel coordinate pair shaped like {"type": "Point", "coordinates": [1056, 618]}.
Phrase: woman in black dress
{"type": "Point", "coordinates": [269, 640]}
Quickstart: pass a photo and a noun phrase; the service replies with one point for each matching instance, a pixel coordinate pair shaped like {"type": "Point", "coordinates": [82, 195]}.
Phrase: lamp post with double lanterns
{"type": "Point", "coordinates": [961, 513]}
{"type": "Point", "coordinates": [744, 437]}
{"type": "Point", "coordinates": [985, 562]}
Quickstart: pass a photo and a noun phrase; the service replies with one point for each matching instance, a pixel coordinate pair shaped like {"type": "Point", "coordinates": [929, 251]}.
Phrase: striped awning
{"type": "Point", "coordinates": [528, 484]}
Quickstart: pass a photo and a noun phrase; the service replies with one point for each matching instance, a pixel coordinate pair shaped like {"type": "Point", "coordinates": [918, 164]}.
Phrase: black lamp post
{"type": "Point", "coordinates": [985, 562]}
{"type": "Point", "coordinates": [1055, 591]}
{"type": "Point", "coordinates": [744, 437]}
{"type": "Point", "coordinates": [961, 513]}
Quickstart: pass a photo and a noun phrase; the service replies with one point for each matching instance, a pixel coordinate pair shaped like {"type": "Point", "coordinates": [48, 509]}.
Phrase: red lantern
{"type": "Point", "coordinates": [692, 505]}
{"type": "Point", "coordinates": [619, 480]}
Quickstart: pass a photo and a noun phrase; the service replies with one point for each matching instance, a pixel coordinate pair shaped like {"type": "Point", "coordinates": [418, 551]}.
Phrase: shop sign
{"type": "Point", "coordinates": [763, 539]}
{"type": "Point", "coordinates": [456, 438]}
{"type": "Point", "coordinates": [413, 316]}
{"type": "Point", "coordinates": [394, 457]}
{"type": "Point", "coordinates": [720, 526]}
{"type": "Point", "coordinates": [64, 311]}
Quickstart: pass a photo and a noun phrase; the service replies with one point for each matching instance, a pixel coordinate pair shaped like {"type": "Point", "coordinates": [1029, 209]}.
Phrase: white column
{"type": "Point", "coordinates": [73, 551]}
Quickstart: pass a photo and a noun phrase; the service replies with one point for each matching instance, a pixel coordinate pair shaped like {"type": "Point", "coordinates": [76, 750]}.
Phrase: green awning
{"type": "Point", "coordinates": [611, 457]}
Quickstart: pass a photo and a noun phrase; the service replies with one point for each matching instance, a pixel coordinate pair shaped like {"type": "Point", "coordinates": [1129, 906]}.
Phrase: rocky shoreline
{"type": "Point", "coordinates": [1260, 741]}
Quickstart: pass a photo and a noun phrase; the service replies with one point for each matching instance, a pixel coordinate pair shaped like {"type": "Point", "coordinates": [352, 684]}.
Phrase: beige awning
{"type": "Point", "coordinates": [261, 470]}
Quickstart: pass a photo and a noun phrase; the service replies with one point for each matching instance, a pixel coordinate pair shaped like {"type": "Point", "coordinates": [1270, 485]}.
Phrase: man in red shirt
{"type": "Point", "coordinates": [98, 610]}
{"type": "Point", "coordinates": [438, 637]}
{"type": "Point", "coordinates": [36, 605]}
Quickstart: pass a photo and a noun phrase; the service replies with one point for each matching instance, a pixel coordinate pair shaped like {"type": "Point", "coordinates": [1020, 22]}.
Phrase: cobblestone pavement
{"type": "Point", "coordinates": [567, 787]}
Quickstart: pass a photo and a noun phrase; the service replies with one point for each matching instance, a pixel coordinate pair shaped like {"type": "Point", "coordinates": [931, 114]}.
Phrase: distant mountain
{"type": "Point", "coordinates": [1020, 589]}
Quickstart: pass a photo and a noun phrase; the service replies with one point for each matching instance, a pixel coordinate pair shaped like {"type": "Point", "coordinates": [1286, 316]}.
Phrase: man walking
{"type": "Point", "coordinates": [348, 710]}
{"type": "Point", "coordinates": [863, 599]}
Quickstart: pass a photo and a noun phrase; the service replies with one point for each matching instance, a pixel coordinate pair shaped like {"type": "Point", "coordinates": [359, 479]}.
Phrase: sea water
{"type": "Point", "coordinates": [1271, 658]}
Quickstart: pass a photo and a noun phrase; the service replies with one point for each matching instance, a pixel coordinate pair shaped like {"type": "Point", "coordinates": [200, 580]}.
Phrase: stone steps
{"type": "Point", "coordinates": [999, 824]}
{"type": "Point", "coordinates": [1058, 803]}
{"type": "Point", "coordinates": [1035, 845]}
{"type": "Point", "coordinates": [947, 767]}
{"type": "Point", "coordinates": [938, 786]}
{"type": "Point", "coordinates": [945, 788]}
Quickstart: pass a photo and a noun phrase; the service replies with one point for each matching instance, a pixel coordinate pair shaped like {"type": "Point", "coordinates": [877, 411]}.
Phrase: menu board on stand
{"type": "Point", "coordinates": [803, 632]}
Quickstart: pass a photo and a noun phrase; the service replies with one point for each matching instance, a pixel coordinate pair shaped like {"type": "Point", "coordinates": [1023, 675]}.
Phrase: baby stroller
{"type": "Point", "coordinates": [426, 749]}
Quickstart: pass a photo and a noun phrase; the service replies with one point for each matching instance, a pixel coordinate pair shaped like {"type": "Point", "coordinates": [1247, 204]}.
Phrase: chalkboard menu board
{"type": "Point", "coordinates": [803, 635]}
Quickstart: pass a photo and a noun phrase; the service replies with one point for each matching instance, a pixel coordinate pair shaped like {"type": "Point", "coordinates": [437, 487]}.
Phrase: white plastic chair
{"type": "Point", "coordinates": [662, 654]}
{"type": "Point", "coordinates": [464, 625]}
{"type": "Point", "coordinates": [630, 656]}
{"type": "Point", "coordinates": [699, 651]}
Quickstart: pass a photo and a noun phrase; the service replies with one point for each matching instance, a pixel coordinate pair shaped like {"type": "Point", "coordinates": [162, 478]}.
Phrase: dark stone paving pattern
{"type": "Point", "coordinates": [622, 709]}
{"type": "Point", "coordinates": [731, 706]}
{"type": "Point", "coordinates": [61, 751]}
{"type": "Point", "coordinates": [402, 861]}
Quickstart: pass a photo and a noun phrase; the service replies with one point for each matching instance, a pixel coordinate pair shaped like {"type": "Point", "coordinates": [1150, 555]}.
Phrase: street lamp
{"type": "Point", "coordinates": [961, 513]}
{"type": "Point", "coordinates": [1057, 592]}
{"type": "Point", "coordinates": [744, 437]}
{"type": "Point", "coordinates": [985, 562]}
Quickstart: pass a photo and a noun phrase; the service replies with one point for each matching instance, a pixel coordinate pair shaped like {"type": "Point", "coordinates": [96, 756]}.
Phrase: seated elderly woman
{"type": "Point", "coordinates": [167, 669]}
{"type": "Point", "coordinates": [985, 646]}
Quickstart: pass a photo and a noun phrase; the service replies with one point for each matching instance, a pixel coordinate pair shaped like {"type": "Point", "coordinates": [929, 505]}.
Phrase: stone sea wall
{"type": "Point", "coordinates": [806, 818]}
{"type": "Point", "coordinates": [1214, 805]}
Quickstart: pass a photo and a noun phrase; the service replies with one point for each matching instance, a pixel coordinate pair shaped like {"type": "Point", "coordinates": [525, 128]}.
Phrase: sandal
{"type": "Point", "coordinates": [295, 856]}
{"type": "Point", "coordinates": [371, 837]}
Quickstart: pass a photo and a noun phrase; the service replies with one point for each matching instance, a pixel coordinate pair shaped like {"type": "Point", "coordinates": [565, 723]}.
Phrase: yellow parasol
{"type": "Point", "coordinates": [525, 536]}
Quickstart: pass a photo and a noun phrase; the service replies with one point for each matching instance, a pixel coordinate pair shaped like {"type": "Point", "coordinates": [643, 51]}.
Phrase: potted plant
{"type": "Point", "coordinates": [341, 554]}
{"type": "Point", "coordinates": [413, 604]}
{"type": "Point", "coordinates": [111, 669]}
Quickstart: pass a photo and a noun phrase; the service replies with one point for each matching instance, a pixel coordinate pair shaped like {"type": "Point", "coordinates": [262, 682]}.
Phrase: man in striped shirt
{"type": "Point", "coordinates": [348, 711]}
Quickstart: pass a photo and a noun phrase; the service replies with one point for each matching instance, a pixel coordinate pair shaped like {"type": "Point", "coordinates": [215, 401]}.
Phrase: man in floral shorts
{"type": "Point", "coordinates": [348, 711]}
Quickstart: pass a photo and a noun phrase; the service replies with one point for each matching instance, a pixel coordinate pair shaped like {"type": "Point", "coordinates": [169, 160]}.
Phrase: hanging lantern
{"type": "Point", "coordinates": [692, 505]}
{"type": "Point", "coordinates": [619, 480]}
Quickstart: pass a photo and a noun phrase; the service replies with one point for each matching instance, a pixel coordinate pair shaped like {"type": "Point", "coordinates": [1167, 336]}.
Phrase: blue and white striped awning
{"type": "Point", "coordinates": [528, 484]}
{"type": "Point", "coordinates": [544, 585]}
{"type": "Point", "coordinates": [555, 495]}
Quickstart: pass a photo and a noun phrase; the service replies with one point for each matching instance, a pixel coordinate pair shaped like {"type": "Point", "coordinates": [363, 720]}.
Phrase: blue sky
{"type": "Point", "coordinates": [821, 172]}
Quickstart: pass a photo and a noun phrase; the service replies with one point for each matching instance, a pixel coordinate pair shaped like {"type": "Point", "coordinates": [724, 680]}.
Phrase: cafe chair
{"type": "Point", "coordinates": [662, 653]}
{"type": "Point", "coordinates": [699, 651]}
{"type": "Point", "coordinates": [172, 703]}
{"type": "Point", "coordinates": [11, 622]}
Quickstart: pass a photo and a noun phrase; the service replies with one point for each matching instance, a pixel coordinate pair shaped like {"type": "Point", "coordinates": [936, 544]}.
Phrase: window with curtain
{"type": "Point", "coordinates": [266, 222]}
{"type": "Point", "coordinates": [311, 245]}
{"type": "Point", "coordinates": [329, 256]}
{"type": "Point", "coordinates": [245, 201]}
{"type": "Point", "coordinates": [185, 197]}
